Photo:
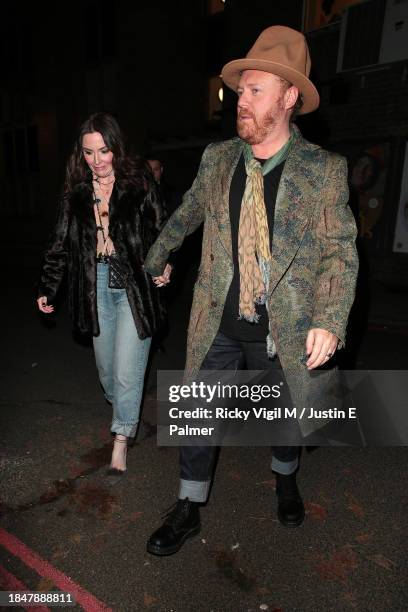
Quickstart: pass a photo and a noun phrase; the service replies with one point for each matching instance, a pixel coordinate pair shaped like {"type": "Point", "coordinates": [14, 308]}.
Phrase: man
{"type": "Point", "coordinates": [279, 263]}
{"type": "Point", "coordinates": [156, 167]}
{"type": "Point", "coordinates": [170, 196]}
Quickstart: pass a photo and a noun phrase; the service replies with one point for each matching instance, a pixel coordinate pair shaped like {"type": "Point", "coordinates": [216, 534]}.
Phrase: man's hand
{"type": "Point", "coordinates": [320, 347]}
{"type": "Point", "coordinates": [164, 279]}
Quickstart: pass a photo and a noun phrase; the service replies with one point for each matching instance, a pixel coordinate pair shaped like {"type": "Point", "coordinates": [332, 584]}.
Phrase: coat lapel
{"type": "Point", "coordinates": [81, 201]}
{"type": "Point", "coordinates": [228, 163]}
{"type": "Point", "coordinates": [294, 206]}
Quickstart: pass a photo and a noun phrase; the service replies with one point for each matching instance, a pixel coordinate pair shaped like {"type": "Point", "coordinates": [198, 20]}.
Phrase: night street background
{"type": "Point", "coordinates": [63, 526]}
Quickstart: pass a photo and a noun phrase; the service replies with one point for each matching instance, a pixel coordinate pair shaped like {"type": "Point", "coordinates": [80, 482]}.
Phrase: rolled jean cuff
{"type": "Point", "coordinates": [284, 467]}
{"type": "Point", "coordinates": [195, 490]}
{"type": "Point", "coordinates": [124, 429]}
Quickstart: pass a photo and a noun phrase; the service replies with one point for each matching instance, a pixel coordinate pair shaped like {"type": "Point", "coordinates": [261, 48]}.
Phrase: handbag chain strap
{"type": "Point", "coordinates": [100, 227]}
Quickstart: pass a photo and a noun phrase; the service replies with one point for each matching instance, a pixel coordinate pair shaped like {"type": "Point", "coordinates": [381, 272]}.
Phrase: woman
{"type": "Point", "coordinates": [108, 217]}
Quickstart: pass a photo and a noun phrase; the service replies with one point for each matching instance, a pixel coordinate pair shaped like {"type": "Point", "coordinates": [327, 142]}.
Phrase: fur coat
{"type": "Point", "coordinates": [135, 219]}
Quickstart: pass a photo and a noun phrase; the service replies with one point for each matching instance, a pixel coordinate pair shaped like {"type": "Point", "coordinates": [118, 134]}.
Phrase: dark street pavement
{"type": "Point", "coordinates": [70, 524]}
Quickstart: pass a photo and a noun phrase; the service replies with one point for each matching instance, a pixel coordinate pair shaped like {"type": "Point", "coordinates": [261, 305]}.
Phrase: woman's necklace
{"type": "Point", "coordinates": [100, 186]}
{"type": "Point", "coordinates": [105, 192]}
{"type": "Point", "coordinates": [102, 211]}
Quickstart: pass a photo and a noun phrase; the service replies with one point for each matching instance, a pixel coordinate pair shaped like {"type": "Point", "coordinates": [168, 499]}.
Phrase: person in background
{"type": "Point", "coordinates": [156, 167]}
{"type": "Point", "coordinates": [108, 217]}
{"type": "Point", "coordinates": [170, 196]}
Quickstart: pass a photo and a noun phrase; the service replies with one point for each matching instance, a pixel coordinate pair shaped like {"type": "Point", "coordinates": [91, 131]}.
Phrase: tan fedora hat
{"type": "Point", "coordinates": [281, 51]}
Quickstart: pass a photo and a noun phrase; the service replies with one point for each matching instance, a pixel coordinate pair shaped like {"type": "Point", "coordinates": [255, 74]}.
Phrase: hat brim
{"type": "Point", "coordinates": [231, 74]}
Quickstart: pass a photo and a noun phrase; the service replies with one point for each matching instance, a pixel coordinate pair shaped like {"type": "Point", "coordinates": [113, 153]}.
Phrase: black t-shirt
{"type": "Point", "coordinates": [231, 326]}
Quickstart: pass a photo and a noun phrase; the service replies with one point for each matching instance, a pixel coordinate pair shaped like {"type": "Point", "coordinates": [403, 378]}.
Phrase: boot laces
{"type": "Point", "coordinates": [177, 512]}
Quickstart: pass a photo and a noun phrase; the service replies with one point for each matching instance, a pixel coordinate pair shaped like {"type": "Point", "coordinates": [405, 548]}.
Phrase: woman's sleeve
{"type": "Point", "coordinates": [55, 257]}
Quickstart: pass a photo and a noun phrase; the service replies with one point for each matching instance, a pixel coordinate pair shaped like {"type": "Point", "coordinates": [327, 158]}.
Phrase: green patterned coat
{"type": "Point", "coordinates": [314, 259]}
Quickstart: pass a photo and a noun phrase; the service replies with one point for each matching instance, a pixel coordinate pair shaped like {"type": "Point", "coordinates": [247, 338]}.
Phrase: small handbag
{"type": "Point", "coordinates": [118, 277]}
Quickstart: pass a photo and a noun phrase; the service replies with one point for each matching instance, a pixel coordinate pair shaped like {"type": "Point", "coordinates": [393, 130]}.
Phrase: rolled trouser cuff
{"type": "Point", "coordinates": [195, 490]}
{"type": "Point", "coordinates": [284, 467]}
{"type": "Point", "coordinates": [124, 429]}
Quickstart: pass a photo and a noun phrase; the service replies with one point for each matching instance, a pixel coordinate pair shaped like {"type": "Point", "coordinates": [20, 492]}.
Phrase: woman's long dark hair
{"type": "Point", "coordinates": [129, 171]}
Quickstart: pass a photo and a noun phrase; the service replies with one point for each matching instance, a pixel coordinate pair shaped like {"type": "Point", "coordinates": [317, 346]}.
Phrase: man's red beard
{"type": "Point", "coordinates": [254, 132]}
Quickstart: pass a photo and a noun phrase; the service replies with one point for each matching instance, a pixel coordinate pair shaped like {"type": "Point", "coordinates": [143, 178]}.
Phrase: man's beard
{"type": "Point", "coordinates": [255, 132]}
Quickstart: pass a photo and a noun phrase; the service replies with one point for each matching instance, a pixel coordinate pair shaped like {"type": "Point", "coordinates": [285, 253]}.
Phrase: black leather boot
{"type": "Point", "coordinates": [182, 522]}
{"type": "Point", "coordinates": [291, 511]}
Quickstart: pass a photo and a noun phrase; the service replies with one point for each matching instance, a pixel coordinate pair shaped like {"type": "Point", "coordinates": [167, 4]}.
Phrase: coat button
{"type": "Point", "coordinates": [212, 257]}
{"type": "Point", "coordinates": [213, 303]}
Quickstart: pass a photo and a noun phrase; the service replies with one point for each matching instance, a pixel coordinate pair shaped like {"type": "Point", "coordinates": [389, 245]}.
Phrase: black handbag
{"type": "Point", "coordinates": [118, 277]}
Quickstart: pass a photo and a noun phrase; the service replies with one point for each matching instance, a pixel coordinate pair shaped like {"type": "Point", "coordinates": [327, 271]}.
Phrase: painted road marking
{"type": "Point", "coordinates": [11, 583]}
{"type": "Point", "coordinates": [88, 601]}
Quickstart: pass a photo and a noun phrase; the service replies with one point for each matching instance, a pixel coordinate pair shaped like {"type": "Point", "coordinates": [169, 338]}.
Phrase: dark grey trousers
{"type": "Point", "coordinates": [197, 462]}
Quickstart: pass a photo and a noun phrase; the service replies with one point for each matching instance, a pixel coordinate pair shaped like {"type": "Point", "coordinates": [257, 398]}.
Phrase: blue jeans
{"type": "Point", "coordinates": [121, 357]}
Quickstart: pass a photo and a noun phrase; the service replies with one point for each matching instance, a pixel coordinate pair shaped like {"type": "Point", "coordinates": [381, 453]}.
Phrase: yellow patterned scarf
{"type": "Point", "coordinates": [254, 252]}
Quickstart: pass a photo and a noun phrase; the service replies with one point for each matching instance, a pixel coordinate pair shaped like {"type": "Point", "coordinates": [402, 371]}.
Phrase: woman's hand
{"type": "Point", "coordinates": [164, 279]}
{"type": "Point", "coordinates": [43, 306]}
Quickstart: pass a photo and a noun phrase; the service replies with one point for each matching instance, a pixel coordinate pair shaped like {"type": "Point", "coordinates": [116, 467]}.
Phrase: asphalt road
{"type": "Point", "coordinates": [63, 526]}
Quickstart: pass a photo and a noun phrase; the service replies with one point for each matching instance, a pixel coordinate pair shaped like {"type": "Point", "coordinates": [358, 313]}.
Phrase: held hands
{"type": "Point", "coordinates": [164, 279]}
{"type": "Point", "coordinates": [320, 347]}
{"type": "Point", "coordinates": [43, 306]}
